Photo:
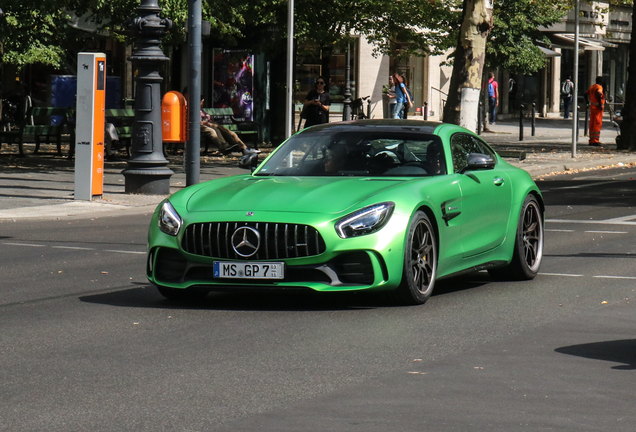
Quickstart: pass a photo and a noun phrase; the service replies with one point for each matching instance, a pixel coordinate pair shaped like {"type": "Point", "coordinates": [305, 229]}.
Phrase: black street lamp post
{"type": "Point", "coordinates": [147, 172]}
{"type": "Point", "coordinates": [346, 112]}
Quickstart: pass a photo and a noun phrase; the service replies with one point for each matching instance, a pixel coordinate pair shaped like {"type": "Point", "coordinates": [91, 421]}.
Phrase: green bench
{"type": "Point", "coordinates": [244, 129]}
{"type": "Point", "coordinates": [122, 119]}
{"type": "Point", "coordinates": [38, 127]}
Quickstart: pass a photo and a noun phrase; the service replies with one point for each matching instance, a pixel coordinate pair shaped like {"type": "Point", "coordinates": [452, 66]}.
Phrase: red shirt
{"type": "Point", "coordinates": [495, 87]}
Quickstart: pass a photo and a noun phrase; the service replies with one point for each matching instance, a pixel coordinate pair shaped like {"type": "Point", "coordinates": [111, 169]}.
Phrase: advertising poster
{"type": "Point", "coordinates": [234, 83]}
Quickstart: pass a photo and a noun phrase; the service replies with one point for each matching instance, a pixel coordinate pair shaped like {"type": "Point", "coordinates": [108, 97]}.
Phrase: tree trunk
{"type": "Point", "coordinates": [628, 127]}
{"type": "Point", "coordinates": [463, 96]}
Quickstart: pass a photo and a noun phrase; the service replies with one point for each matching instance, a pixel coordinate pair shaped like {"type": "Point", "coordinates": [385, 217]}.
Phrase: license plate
{"type": "Point", "coordinates": [249, 270]}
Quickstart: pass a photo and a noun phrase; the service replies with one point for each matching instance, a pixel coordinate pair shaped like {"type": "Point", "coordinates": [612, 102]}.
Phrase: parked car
{"type": "Point", "coordinates": [366, 205]}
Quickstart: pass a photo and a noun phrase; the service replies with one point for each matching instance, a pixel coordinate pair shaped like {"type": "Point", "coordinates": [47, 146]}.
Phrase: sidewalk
{"type": "Point", "coordinates": [42, 186]}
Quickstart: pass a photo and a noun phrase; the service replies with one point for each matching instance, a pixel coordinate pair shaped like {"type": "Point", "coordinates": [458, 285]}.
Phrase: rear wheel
{"type": "Point", "coordinates": [182, 294]}
{"type": "Point", "coordinates": [528, 250]}
{"type": "Point", "coordinates": [420, 262]}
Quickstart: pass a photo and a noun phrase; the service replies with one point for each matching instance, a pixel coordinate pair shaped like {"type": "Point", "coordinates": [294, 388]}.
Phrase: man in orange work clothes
{"type": "Point", "coordinates": [596, 99]}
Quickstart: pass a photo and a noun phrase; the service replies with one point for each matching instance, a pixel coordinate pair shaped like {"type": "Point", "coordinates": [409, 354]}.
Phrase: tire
{"type": "Point", "coordinates": [420, 262]}
{"type": "Point", "coordinates": [528, 249]}
{"type": "Point", "coordinates": [182, 295]}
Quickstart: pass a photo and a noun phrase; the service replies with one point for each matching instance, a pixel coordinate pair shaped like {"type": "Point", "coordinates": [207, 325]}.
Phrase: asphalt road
{"type": "Point", "coordinates": [86, 344]}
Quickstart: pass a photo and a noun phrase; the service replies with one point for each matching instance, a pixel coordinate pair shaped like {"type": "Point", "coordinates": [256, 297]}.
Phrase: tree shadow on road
{"type": "Point", "coordinates": [616, 351]}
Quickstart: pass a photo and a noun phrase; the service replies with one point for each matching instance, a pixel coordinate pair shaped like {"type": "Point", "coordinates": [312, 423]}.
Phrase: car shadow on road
{"type": "Point", "coordinates": [616, 351]}
{"type": "Point", "coordinates": [146, 296]}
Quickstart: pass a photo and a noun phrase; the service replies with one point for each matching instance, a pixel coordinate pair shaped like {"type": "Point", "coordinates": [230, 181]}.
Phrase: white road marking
{"type": "Point", "coordinates": [607, 232]}
{"type": "Point", "coordinates": [561, 274]}
{"type": "Point", "coordinates": [24, 244]}
{"type": "Point", "coordinates": [586, 185]}
{"type": "Point", "coordinates": [616, 221]}
{"type": "Point", "coordinates": [615, 277]}
{"type": "Point", "coordinates": [622, 219]}
{"type": "Point", "coordinates": [558, 230]}
{"type": "Point", "coordinates": [72, 247]}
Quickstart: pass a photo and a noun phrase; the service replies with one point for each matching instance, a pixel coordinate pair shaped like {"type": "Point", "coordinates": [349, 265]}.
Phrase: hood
{"type": "Point", "coordinates": [295, 194]}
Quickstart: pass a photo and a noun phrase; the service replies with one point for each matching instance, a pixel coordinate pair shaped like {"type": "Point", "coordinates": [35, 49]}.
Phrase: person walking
{"type": "Point", "coordinates": [317, 102]}
{"type": "Point", "coordinates": [401, 96]}
{"type": "Point", "coordinates": [391, 96]}
{"type": "Point", "coordinates": [407, 92]}
{"type": "Point", "coordinates": [596, 98]}
{"type": "Point", "coordinates": [493, 97]}
{"type": "Point", "coordinates": [567, 89]}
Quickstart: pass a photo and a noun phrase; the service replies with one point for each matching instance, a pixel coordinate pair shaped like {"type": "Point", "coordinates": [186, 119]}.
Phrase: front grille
{"type": "Point", "coordinates": [277, 241]}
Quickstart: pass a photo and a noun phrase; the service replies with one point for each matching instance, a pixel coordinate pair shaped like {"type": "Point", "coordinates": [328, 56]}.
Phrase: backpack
{"type": "Point", "coordinates": [491, 90]}
{"type": "Point", "coordinates": [566, 89]}
{"type": "Point", "coordinates": [410, 94]}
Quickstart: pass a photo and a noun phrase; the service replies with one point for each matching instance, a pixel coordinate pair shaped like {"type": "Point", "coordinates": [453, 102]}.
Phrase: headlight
{"type": "Point", "coordinates": [169, 220]}
{"type": "Point", "coordinates": [366, 221]}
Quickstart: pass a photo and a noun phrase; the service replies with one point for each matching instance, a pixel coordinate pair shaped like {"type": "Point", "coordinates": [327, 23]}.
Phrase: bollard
{"type": "Point", "coordinates": [425, 110]}
{"type": "Point", "coordinates": [369, 108]}
{"type": "Point", "coordinates": [521, 122]}
{"type": "Point", "coordinates": [587, 119]}
{"type": "Point", "coordinates": [480, 111]}
{"type": "Point", "coordinates": [578, 113]}
{"type": "Point", "coordinates": [534, 115]}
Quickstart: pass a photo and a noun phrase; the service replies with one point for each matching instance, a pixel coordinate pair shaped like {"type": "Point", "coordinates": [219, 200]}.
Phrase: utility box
{"type": "Point", "coordinates": [89, 120]}
{"type": "Point", "coordinates": [174, 119]}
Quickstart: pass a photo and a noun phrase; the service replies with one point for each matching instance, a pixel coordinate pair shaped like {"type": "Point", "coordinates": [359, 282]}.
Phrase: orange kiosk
{"type": "Point", "coordinates": [89, 120]}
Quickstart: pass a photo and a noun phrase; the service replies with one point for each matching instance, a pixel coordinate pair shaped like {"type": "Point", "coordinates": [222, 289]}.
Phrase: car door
{"type": "Point", "coordinates": [485, 197]}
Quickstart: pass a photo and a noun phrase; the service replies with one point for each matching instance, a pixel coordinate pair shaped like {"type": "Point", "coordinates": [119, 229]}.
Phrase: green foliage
{"type": "Point", "coordinates": [32, 31]}
{"type": "Point", "coordinates": [516, 26]}
{"type": "Point", "coordinates": [36, 31]}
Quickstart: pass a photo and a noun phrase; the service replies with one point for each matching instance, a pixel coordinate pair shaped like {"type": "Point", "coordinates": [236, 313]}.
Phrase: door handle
{"type": "Point", "coordinates": [498, 181]}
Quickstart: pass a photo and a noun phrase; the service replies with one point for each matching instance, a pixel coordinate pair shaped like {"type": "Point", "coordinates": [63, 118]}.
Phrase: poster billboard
{"type": "Point", "coordinates": [234, 83]}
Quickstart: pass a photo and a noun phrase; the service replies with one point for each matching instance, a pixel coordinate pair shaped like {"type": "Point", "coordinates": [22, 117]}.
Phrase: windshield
{"type": "Point", "coordinates": [388, 154]}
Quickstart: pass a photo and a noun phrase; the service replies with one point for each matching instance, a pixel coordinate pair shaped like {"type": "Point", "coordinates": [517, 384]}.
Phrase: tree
{"type": "Point", "coordinates": [463, 95]}
{"type": "Point", "coordinates": [33, 31]}
{"type": "Point", "coordinates": [628, 126]}
{"type": "Point", "coordinates": [511, 44]}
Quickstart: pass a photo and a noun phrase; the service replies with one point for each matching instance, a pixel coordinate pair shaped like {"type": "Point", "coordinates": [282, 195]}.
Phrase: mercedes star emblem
{"type": "Point", "coordinates": [245, 241]}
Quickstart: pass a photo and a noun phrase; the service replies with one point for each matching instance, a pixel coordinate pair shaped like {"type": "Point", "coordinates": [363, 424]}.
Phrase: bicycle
{"type": "Point", "coordinates": [357, 108]}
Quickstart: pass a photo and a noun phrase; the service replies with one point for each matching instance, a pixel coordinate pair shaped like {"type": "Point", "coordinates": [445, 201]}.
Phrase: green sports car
{"type": "Point", "coordinates": [366, 205]}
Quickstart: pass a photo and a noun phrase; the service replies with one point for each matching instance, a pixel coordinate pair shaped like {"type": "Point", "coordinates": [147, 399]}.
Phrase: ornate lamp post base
{"type": "Point", "coordinates": [148, 181]}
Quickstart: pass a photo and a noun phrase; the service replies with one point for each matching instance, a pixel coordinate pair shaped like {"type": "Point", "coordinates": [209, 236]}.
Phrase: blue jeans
{"type": "Point", "coordinates": [492, 105]}
{"type": "Point", "coordinates": [391, 110]}
{"type": "Point", "coordinates": [397, 114]}
{"type": "Point", "coordinates": [566, 106]}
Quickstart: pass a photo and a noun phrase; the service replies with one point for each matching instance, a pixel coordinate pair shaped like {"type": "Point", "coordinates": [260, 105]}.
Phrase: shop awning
{"type": "Point", "coordinates": [548, 52]}
{"type": "Point", "coordinates": [566, 40]}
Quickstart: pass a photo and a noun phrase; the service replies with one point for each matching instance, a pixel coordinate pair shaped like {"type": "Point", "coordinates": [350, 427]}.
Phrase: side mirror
{"type": "Point", "coordinates": [478, 161]}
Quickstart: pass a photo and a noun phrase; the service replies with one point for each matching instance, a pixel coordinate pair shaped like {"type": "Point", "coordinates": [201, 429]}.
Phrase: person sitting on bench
{"type": "Point", "coordinates": [225, 140]}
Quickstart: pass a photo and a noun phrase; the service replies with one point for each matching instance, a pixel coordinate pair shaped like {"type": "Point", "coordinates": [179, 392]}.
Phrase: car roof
{"type": "Point", "coordinates": [385, 125]}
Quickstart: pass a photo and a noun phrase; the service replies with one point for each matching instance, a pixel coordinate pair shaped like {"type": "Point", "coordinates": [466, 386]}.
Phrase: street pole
{"type": "Point", "coordinates": [575, 123]}
{"type": "Point", "coordinates": [346, 112]}
{"type": "Point", "coordinates": [289, 103]}
{"type": "Point", "coordinates": [192, 156]}
{"type": "Point", "coordinates": [147, 172]}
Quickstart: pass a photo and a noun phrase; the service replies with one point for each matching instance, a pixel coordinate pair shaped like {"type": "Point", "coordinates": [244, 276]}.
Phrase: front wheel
{"type": "Point", "coordinates": [528, 250]}
{"type": "Point", "coordinates": [420, 262]}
